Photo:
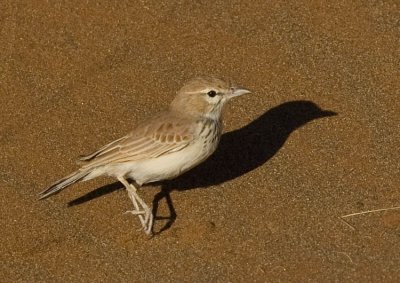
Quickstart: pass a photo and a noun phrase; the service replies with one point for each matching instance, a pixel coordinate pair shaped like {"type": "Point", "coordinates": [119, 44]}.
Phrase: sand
{"type": "Point", "coordinates": [317, 139]}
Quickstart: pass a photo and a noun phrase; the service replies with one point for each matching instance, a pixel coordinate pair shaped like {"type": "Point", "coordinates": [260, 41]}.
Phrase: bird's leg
{"type": "Point", "coordinates": [148, 214]}
{"type": "Point", "coordinates": [137, 210]}
{"type": "Point", "coordinates": [141, 208]}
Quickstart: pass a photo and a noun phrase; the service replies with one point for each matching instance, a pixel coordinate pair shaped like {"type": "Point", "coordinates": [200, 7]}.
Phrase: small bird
{"type": "Point", "coordinates": [162, 147]}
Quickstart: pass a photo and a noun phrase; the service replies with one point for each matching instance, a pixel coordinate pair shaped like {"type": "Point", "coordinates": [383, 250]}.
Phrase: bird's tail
{"type": "Point", "coordinates": [63, 183]}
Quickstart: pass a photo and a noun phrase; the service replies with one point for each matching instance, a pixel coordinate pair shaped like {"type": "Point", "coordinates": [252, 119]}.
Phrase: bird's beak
{"type": "Point", "coordinates": [238, 91]}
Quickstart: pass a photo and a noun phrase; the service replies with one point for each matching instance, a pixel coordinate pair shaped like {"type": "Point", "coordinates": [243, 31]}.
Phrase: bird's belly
{"type": "Point", "coordinates": [171, 165]}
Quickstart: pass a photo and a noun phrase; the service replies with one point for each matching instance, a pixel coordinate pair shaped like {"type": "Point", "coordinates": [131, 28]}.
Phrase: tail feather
{"type": "Point", "coordinates": [63, 183]}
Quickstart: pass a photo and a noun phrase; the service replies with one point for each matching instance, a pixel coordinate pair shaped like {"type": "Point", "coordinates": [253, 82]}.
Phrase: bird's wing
{"type": "Point", "coordinates": [159, 136]}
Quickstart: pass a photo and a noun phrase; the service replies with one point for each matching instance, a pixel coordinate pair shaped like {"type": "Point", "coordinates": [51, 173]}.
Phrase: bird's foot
{"type": "Point", "coordinates": [135, 212]}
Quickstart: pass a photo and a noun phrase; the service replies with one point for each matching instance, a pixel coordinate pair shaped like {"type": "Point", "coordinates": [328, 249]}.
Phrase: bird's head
{"type": "Point", "coordinates": [205, 96]}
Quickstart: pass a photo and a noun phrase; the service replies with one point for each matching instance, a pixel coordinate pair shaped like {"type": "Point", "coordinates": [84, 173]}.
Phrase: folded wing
{"type": "Point", "coordinates": [160, 136]}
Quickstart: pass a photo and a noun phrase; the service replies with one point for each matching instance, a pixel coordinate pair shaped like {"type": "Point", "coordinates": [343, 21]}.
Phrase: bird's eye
{"type": "Point", "coordinates": [211, 93]}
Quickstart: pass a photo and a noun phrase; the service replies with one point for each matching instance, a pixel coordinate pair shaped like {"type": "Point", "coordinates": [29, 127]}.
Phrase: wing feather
{"type": "Point", "coordinates": [101, 150]}
{"type": "Point", "coordinates": [160, 136]}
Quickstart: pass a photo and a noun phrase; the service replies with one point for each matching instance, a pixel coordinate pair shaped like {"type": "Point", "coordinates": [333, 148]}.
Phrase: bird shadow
{"type": "Point", "coordinates": [239, 152]}
{"type": "Point", "coordinates": [104, 190]}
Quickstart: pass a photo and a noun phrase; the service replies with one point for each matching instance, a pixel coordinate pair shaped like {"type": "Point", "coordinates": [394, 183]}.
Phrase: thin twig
{"type": "Point", "coordinates": [347, 223]}
{"type": "Point", "coordinates": [370, 211]}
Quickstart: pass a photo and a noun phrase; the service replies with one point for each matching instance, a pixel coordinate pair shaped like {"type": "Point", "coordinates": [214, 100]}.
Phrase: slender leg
{"type": "Point", "coordinates": [148, 214]}
{"type": "Point", "coordinates": [144, 213]}
{"type": "Point", "coordinates": [137, 210]}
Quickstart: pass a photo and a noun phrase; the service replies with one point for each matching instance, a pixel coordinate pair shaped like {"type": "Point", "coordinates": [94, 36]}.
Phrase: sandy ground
{"type": "Point", "coordinates": [266, 206]}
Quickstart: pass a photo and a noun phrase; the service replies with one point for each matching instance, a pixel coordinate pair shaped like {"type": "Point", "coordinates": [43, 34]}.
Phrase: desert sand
{"type": "Point", "coordinates": [317, 139]}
